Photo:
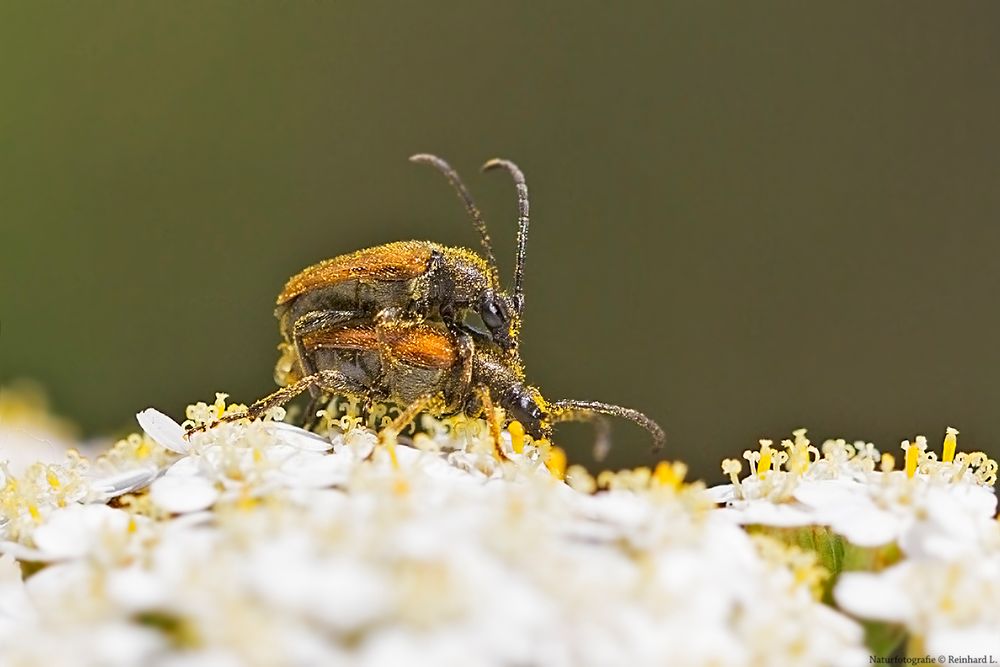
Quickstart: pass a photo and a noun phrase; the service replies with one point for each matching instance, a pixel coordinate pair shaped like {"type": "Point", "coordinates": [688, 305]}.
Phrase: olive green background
{"type": "Point", "coordinates": [746, 218]}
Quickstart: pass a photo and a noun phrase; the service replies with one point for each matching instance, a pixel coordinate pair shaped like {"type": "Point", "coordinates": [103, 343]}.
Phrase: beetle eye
{"type": "Point", "coordinates": [492, 314]}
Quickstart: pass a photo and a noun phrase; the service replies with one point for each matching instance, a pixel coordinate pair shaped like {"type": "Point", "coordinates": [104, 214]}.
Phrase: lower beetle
{"type": "Point", "coordinates": [422, 367]}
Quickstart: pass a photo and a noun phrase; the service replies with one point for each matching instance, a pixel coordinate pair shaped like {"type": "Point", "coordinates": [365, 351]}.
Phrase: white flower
{"type": "Point", "coordinates": [77, 530]}
{"type": "Point", "coordinates": [931, 505]}
{"type": "Point", "coordinates": [262, 544]}
{"type": "Point", "coordinates": [949, 606]}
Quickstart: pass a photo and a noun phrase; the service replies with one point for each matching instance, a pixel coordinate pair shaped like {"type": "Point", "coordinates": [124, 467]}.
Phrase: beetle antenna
{"type": "Point", "coordinates": [470, 206]}
{"type": "Point", "coordinates": [569, 410]}
{"type": "Point", "coordinates": [522, 225]}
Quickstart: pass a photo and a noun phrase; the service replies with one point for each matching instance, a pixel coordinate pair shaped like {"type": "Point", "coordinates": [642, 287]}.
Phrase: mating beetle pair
{"type": "Point", "coordinates": [388, 324]}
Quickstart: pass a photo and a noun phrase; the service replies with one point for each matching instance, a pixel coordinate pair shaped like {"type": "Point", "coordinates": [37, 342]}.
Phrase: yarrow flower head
{"type": "Point", "coordinates": [857, 492]}
{"type": "Point", "coordinates": [264, 544]}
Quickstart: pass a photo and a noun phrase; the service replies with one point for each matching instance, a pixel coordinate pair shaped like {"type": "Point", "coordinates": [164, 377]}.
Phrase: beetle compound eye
{"type": "Point", "coordinates": [493, 315]}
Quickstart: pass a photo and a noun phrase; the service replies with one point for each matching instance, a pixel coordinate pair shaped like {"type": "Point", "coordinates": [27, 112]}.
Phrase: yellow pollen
{"type": "Point", "coordinates": [131, 525]}
{"type": "Point", "coordinates": [948, 455]}
{"type": "Point", "coordinates": [516, 436]}
{"type": "Point", "coordinates": [912, 454]}
{"type": "Point", "coordinates": [765, 458]}
{"type": "Point", "coordinates": [246, 502]}
{"type": "Point", "coordinates": [888, 462]}
{"type": "Point", "coordinates": [669, 475]}
{"type": "Point", "coordinates": [52, 479]}
{"type": "Point", "coordinates": [258, 456]}
{"type": "Point", "coordinates": [556, 462]}
{"type": "Point", "coordinates": [400, 486]}
{"type": "Point", "coordinates": [35, 514]}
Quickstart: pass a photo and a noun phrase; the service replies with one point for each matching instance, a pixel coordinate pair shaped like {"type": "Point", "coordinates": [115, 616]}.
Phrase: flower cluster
{"type": "Point", "coordinates": [926, 535]}
{"type": "Point", "coordinates": [263, 544]}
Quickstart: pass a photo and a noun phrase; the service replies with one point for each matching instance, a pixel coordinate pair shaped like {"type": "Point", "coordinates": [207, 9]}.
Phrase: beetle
{"type": "Point", "coordinates": [411, 278]}
{"type": "Point", "coordinates": [423, 367]}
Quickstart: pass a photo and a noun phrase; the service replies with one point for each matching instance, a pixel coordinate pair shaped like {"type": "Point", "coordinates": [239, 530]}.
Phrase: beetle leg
{"type": "Point", "coordinates": [491, 418]}
{"type": "Point", "coordinates": [387, 436]}
{"type": "Point", "coordinates": [312, 410]}
{"type": "Point", "coordinates": [316, 320]}
{"type": "Point", "coordinates": [570, 410]}
{"type": "Point", "coordinates": [329, 380]}
{"type": "Point", "coordinates": [422, 287]}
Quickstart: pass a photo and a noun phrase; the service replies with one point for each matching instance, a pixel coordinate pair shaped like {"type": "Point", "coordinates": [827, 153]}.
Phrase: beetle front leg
{"type": "Point", "coordinates": [331, 381]}
{"type": "Point", "coordinates": [483, 392]}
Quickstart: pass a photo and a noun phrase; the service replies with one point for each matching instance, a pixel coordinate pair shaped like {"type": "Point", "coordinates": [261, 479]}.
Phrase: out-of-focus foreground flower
{"type": "Point", "coordinates": [263, 544]}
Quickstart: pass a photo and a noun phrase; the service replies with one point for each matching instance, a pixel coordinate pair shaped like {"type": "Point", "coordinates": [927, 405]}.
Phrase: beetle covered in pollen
{"type": "Point", "coordinates": [387, 324]}
{"type": "Point", "coordinates": [413, 278]}
{"type": "Point", "coordinates": [421, 366]}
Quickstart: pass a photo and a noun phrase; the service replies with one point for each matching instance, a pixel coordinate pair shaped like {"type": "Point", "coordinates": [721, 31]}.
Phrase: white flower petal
{"type": "Point", "coordinates": [180, 494]}
{"type": "Point", "coordinates": [73, 531]}
{"type": "Point", "coordinates": [298, 437]}
{"type": "Point", "coordinates": [111, 486]}
{"type": "Point", "coordinates": [972, 642]}
{"type": "Point", "coordinates": [163, 430]}
{"type": "Point", "coordinates": [873, 596]}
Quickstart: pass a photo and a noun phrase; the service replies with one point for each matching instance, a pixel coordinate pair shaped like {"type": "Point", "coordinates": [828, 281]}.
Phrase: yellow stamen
{"type": "Point", "coordinates": [246, 502]}
{"type": "Point", "coordinates": [132, 527]}
{"type": "Point", "coordinates": [912, 454]}
{"type": "Point", "coordinates": [52, 479]}
{"type": "Point", "coordinates": [950, 441]}
{"type": "Point", "coordinates": [400, 486]}
{"type": "Point", "coordinates": [888, 462]}
{"type": "Point", "coordinates": [765, 458]}
{"type": "Point", "coordinates": [543, 446]}
{"type": "Point", "coordinates": [516, 436]}
{"type": "Point", "coordinates": [556, 462]}
{"type": "Point", "coordinates": [670, 474]}
{"type": "Point", "coordinates": [258, 455]}
{"type": "Point", "coordinates": [35, 514]}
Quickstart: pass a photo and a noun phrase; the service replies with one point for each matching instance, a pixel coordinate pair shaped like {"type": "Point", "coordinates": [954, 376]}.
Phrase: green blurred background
{"type": "Point", "coordinates": [745, 219]}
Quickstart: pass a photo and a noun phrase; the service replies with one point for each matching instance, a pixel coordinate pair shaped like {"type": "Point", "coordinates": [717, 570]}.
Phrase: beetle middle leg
{"type": "Point", "coordinates": [570, 410]}
{"type": "Point", "coordinates": [490, 413]}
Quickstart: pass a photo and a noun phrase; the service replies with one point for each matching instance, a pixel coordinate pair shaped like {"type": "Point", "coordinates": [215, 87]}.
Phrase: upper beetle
{"type": "Point", "coordinates": [415, 278]}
